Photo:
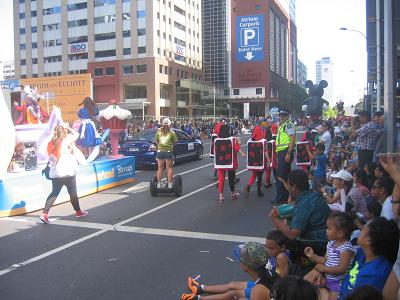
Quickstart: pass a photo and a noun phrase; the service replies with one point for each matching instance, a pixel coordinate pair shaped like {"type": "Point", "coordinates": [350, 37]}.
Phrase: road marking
{"type": "Point", "coordinates": [139, 186]}
{"type": "Point", "coordinates": [192, 170]}
{"type": "Point", "coordinates": [191, 234]}
{"type": "Point", "coordinates": [169, 203]}
{"type": "Point", "coordinates": [118, 226]}
{"type": "Point", "coordinates": [51, 252]}
{"type": "Point", "coordinates": [153, 231]}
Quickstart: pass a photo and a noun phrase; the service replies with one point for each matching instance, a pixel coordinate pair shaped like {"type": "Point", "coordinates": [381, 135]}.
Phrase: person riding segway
{"type": "Point", "coordinates": [165, 141]}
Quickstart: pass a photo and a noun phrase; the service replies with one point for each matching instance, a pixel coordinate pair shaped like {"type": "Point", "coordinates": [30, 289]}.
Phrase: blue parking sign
{"type": "Point", "coordinates": [250, 38]}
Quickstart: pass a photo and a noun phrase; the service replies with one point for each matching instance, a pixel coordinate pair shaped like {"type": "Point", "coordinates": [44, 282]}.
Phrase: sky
{"type": "Point", "coordinates": [318, 35]}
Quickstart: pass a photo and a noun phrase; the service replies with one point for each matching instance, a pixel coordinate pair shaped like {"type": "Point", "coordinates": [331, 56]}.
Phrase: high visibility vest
{"type": "Point", "coordinates": [283, 139]}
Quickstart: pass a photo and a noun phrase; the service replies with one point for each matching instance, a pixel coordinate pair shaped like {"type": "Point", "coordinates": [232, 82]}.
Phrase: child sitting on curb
{"type": "Point", "coordinates": [253, 258]}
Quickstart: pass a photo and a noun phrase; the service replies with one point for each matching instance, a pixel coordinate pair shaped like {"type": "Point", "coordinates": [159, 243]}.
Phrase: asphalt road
{"type": "Point", "coordinates": [133, 245]}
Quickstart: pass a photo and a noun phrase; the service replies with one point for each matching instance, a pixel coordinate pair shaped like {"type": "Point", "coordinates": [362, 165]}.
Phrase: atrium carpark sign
{"type": "Point", "coordinates": [250, 38]}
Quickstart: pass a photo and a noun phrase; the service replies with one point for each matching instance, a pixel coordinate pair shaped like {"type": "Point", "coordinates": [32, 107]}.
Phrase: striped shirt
{"type": "Point", "coordinates": [333, 257]}
{"type": "Point", "coordinates": [367, 136]}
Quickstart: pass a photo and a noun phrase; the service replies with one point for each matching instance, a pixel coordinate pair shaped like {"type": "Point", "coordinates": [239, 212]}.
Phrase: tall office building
{"type": "Point", "coordinates": [216, 41]}
{"type": "Point", "coordinates": [264, 54]}
{"type": "Point", "coordinates": [289, 6]}
{"type": "Point", "coordinates": [301, 73]}
{"type": "Point", "coordinates": [324, 71]}
{"type": "Point", "coordinates": [373, 44]}
{"type": "Point", "coordinates": [135, 50]}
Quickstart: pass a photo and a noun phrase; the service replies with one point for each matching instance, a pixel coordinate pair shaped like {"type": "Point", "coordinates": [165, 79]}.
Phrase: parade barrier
{"type": "Point", "coordinates": [21, 193]}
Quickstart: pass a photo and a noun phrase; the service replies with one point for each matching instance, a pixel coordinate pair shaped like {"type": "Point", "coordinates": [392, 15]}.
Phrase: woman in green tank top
{"type": "Point", "coordinates": [165, 140]}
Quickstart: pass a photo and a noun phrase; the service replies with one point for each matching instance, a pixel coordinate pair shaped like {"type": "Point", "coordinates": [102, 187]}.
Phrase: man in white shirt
{"type": "Point", "coordinates": [381, 191]}
{"type": "Point", "coordinates": [326, 138]}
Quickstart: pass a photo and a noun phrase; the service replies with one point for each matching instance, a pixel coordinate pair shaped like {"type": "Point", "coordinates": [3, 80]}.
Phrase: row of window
{"type": "Point", "coordinates": [77, 23]}
{"type": "Point", "coordinates": [52, 27]}
{"type": "Point", "coordinates": [56, 9]}
{"type": "Point", "coordinates": [258, 7]}
{"type": "Point", "coordinates": [179, 73]}
{"type": "Point", "coordinates": [126, 70]}
{"type": "Point", "coordinates": [236, 92]}
{"type": "Point", "coordinates": [49, 74]}
{"type": "Point", "coordinates": [23, 30]}
{"type": "Point", "coordinates": [169, 3]}
{"type": "Point", "coordinates": [110, 53]}
{"type": "Point", "coordinates": [169, 19]}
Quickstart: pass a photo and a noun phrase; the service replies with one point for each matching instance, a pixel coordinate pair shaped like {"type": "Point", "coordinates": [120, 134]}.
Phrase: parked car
{"type": "Point", "coordinates": [142, 146]}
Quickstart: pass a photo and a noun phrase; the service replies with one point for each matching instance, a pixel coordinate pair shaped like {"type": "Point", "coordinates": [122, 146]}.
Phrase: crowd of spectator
{"type": "Point", "coordinates": [341, 240]}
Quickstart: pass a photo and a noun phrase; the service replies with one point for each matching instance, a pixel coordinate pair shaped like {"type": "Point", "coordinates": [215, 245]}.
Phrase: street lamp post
{"type": "Point", "coordinates": [348, 29]}
{"type": "Point", "coordinates": [214, 101]}
{"type": "Point", "coordinates": [144, 103]}
{"type": "Point", "coordinates": [365, 37]}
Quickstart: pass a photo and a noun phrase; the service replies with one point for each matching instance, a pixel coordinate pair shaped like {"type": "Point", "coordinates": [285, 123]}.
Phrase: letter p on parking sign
{"type": "Point", "coordinates": [249, 37]}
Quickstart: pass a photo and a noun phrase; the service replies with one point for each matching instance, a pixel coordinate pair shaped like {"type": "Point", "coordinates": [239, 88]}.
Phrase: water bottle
{"type": "Point", "coordinates": [285, 211]}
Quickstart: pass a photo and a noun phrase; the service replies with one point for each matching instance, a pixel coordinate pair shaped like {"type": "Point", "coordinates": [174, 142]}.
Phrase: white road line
{"type": "Point", "coordinates": [191, 234]}
{"type": "Point", "coordinates": [139, 186]}
{"type": "Point", "coordinates": [51, 252]}
{"type": "Point", "coordinates": [107, 228]}
{"type": "Point", "coordinates": [153, 231]}
{"type": "Point", "coordinates": [169, 203]}
{"type": "Point", "coordinates": [192, 170]}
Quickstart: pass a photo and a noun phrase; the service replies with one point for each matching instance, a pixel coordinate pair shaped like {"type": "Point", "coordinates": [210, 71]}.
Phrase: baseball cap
{"type": "Point", "coordinates": [319, 128]}
{"type": "Point", "coordinates": [283, 112]}
{"type": "Point", "coordinates": [251, 254]}
{"type": "Point", "coordinates": [166, 121]}
{"type": "Point", "coordinates": [378, 114]}
{"type": "Point", "coordinates": [343, 174]}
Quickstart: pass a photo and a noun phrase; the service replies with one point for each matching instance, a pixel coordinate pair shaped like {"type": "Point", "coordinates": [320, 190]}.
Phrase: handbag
{"type": "Point", "coordinates": [46, 171]}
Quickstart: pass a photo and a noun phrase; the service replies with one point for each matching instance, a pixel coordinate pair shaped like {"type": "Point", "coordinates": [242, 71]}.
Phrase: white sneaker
{"type": "Point", "coordinates": [170, 185]}
{"type": "Point", "coordinates": [159, 185]}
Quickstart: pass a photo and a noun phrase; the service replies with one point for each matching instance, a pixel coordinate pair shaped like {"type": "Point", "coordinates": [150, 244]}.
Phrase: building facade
{"type": "Point", "coordinates": [136, 51]}
{"type": "Point", "coordinates": [216, 41]}
{"type": "Point", "coordinates": [301, 73]}
{"type": "Point", "coordinates": [375, 45]}
{"type": "Point", "coordinates": [7, 70]}
{"type": "Point", "coordinates": [264, 49]}
{"type": "Point", "coordinates": [324, 71]}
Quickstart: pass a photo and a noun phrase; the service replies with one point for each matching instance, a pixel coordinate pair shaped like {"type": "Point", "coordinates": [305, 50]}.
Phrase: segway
{"type": "Point", "coordinates": [176, 186]}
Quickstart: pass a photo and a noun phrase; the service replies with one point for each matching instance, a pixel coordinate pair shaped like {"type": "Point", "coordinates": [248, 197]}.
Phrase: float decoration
{"type": "Point", "coordinates": [314, 104]}
{"type": "Point", "coordinates": [114, 118]}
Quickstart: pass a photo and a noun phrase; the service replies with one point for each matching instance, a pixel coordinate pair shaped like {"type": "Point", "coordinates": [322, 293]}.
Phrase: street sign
{"type": "Point", "coordinates": [250, 38]}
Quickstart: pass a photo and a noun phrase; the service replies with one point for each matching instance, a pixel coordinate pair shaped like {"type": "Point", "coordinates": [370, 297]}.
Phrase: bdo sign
{"type": "Point", "coordinates": [250, 38]}
{"type": "Point", "coordinates": [78, 48]}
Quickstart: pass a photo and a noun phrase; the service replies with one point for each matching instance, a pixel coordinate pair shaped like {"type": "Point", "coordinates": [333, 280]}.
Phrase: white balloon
{"type": "Point", "coordinates": [7, 136]}
{"type": "Point", "coordinates": [325, 107]}
{"type": "Point", "coordinates": [304, 107]}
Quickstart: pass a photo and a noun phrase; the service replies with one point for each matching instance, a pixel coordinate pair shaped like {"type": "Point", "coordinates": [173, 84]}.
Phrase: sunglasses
{"type": "Point", "coordinates": [375, 187]}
